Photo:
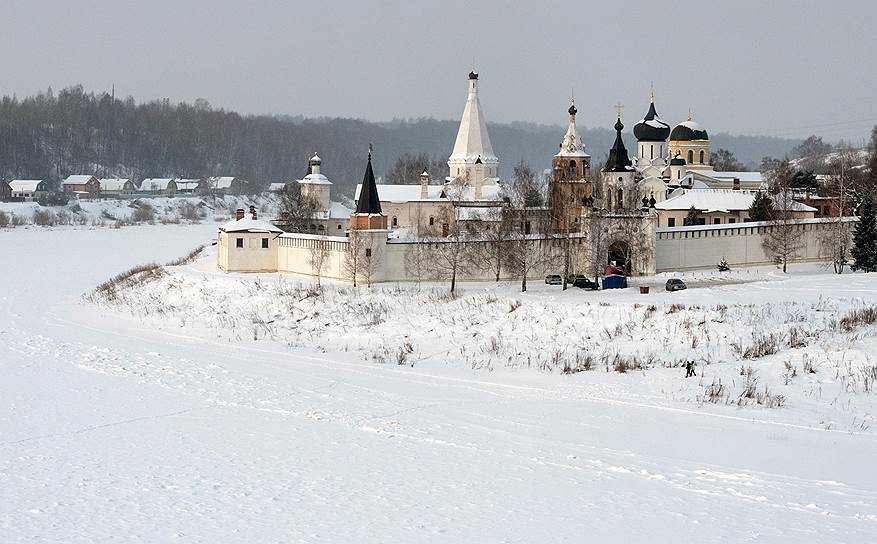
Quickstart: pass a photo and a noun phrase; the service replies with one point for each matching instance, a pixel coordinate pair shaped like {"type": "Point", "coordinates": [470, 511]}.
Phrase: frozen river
{"type": "Point", "coordinates": [111, 431]}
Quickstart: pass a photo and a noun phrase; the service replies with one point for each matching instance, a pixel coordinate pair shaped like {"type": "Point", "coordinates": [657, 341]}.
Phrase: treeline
{"type": "Point", "coordinates": [52, 135]}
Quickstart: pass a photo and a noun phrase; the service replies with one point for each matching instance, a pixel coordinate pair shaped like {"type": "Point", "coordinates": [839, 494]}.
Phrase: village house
{"type": "Point", "coordinates": [718, 207]}
{"type": "Point", "coordinates": [116, 186]}
{"type": "Point", "coordinates": [81, 185]}
{"type": "Point", "coordinates": [225, 185]}
{"type": "Point", "coordinates": [5, 190]}
{"type": "Point", "coordinates": [27, 188]}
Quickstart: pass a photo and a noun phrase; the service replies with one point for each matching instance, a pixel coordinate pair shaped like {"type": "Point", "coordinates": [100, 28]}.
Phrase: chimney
{"type": "Point", "coordinates": [736, 184]}
{"type": "Point", "coordinates": [424, 185]}
{"type": "Point", "coordinates": [253, 212]}
{"type": "Point", "coordinates": [239, 214]}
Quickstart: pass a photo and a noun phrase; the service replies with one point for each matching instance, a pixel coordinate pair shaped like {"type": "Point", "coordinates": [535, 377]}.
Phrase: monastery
{"type": "Point", "coordinates": [629, 214]}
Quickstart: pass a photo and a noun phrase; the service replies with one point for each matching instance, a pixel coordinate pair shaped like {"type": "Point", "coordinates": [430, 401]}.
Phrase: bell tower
{"type": "Point", "coordinates": [571, 188]}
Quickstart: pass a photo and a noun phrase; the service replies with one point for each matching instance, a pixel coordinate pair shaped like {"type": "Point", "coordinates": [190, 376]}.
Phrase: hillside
{"type": "Point", "coordinates": [50, 136]}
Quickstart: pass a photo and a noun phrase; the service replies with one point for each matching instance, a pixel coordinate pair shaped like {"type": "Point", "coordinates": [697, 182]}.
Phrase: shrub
{"type": "Point", "coordinates": [4, 219]}
{"type": "Point", "coordinates": [144, 213]}
{"type": "Point", "coordinates": [858, 317]}
{"type": "Point", "coordinates": [44, 218]}
{"type": "Point", "coordinates": [762, 345]}
{"type": "Point", "coordinates": [715, 392]}
{"type": "Point", "coordinates": [139, 275]}
{"type": "Point", "coordinates": [54, 199]}
{"type": "Point", "coordinates": [187, 258]}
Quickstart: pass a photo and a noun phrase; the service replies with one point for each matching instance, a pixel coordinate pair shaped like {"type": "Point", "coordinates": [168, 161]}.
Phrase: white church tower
{"type": "Point", "coordinates": [473, 159]}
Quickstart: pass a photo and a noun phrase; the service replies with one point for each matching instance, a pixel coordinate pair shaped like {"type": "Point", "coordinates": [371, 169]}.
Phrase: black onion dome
{"type": "Point", "coordinates": [677, 161]}
{"type": "Point", "coordinates": [572, 109]}
{"type": "Point", "coordinates": [651, 128]}
{"type": "Point", "coordinates": [473, 75]}
{"type": "Point", "coordinates": [688, 131]}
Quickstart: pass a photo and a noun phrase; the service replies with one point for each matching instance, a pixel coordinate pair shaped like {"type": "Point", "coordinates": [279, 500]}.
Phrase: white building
{"type": "Point", "coordinates": [27, 188]}
{"type": "Point", "coordinates": [472, 181]}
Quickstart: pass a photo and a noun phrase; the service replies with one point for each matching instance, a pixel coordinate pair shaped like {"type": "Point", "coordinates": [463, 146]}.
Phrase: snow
{"type": "Point", "coordinates": [248, 224]}
{"type": "Point", "coordinates": [724, 200]}
{"type": "Point", "coordinates": [79, 179]}
{"type": "Point", "coordinates": [181, 413]}
{"type": "Point", "coordinates": [25, 185]}
{"type": "Point", "coordinates": [112, 184]}
{"type": "Point", "coordinates": [315, 179]}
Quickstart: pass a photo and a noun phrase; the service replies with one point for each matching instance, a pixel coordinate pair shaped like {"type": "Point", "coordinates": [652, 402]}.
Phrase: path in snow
{"type": "Point", "coordinates": [113, 431]}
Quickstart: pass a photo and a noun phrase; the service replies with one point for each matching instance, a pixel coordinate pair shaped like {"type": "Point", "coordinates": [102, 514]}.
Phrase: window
{"type": "Point", "coordinates": [620, 202]}
{"type": "Point", "coordinates": [690, 157]}
{"type": "Point", "coordinates": [264, 243]}
{"type": "Point", "coordinates": [368, 252]}
{"type": "Point", "coordinates": [431, 220]}
{"type": "Point", "coordinates": [671, 222]}
{"type": "Point", "coordinates": [701, 220]}
{"type": "Point", "coordinates": [733, 220]}
{"type": "Point", "coordinates": [527, 227]}
{"type": "Point", "coordinates": [652, 152]}
{"type": "Point", "coordinates": [239, 243]}
{"type": "Point", "coordinates": [395, 222]}
{"type": "Point", "coordinates": [339, 226]}
{"type": "Point", "coordinates": [717, 221]}
{"type": "Point", "coordinates": [701, 156]}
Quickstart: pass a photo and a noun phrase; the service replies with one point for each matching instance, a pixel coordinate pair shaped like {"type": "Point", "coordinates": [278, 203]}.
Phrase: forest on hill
{"type": "Point", "coordinates": [52, 135]}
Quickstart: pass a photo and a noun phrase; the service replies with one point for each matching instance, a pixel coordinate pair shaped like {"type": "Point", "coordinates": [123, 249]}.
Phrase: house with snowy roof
{"type": "Point", "coordinates": [225, 185]}
{"type": "Point", "coordinates": [82, 184]}
{"type": "Point", "coordinates": [27, 188]}
{"type": "Point", "coordinates": [720, 207]}
{"type": "Point", "coordinates": [116, 186]}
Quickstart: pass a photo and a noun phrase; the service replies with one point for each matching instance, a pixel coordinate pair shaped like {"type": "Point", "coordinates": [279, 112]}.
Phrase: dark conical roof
{"type": "Point", "coordinates": [651, 128]}
{"type": "Point", "coordinates": [618, 160]}
{"type": "Point", "coordinates": [369, 202]}
{"type": "Point", "coordinates": [572, 109]}
{"type": "Point", "coordinates": [473, 75]}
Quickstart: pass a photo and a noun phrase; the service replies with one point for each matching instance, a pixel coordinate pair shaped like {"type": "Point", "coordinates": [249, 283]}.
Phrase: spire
{"type": "Point", "coordinates": [618, 160]}
{"type": "Point", "coordinates": [571, 146]}
{"type": "Point", "coordinates": [369, 203]}
{"type": "Point", "coordinates": [472, 138]}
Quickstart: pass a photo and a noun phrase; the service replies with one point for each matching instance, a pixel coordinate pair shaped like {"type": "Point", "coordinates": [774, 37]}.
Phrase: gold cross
{"type": "Point", "coordinates": [618, 108]}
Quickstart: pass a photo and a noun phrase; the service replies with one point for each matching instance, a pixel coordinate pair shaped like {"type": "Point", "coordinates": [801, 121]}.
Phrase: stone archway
{"type": "Point", "coordinates": [619, 254]}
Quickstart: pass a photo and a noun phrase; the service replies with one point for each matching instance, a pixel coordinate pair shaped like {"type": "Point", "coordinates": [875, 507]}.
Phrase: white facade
{"type": "Point", "coordinates": [473, 159]}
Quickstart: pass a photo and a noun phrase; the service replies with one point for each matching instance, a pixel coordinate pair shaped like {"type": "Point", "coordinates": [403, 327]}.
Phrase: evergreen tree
{"type": "Point", "coordinates": [691, 218]}
{"type": "Point", "coordinates": [761, 208]}
{"type": "Point", "coordinates": [864, 250]}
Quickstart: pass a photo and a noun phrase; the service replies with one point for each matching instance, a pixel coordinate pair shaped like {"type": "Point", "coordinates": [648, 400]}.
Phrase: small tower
{"type": "Point", "coordinates": [315, 185]}
{"type": "Point", "coordinates": [424, 185]}
{"type": "Point", "coordinates": [368, 215]}
{"type": "Point", "coordinates": [677, 170]}
{"type": "Point", "coordinates": [571, 189]}
{"type": "Point", "coordinates": [618, 175]}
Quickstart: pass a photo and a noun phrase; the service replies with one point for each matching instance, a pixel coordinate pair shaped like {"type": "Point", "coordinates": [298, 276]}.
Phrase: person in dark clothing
{"type": "Point", "coordinates": [689, 369]}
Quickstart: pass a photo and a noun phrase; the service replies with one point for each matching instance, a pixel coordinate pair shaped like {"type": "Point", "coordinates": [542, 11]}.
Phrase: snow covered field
{"type": "Point", "coordinates": [119, 212]}
{"type": "Point", "coordinates": [203, 407]}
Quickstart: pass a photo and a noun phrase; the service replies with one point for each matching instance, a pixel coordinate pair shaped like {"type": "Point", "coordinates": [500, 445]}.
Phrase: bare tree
{"type": "Point", "coordinates": [837, 238]}
{"type": "Point", "coordinates": [297, 210]}
{"type": "Point", "coordinates": [450, 255]}
{"type": "Point", "coordinates": [496, 234]}
{"type": "Point", "coordinates": [598, 243]}
{"type": "Point", "coordinates": [363, 257]}
{"type": "Point", "coordinates": [417, 260]}
{"type": "Point", "coordinates": [319, 259]}
{"type": "Point", "coordinates": [782, 239]}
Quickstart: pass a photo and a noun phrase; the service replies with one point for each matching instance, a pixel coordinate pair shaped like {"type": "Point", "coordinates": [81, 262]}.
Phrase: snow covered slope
{"type": "Point", "coordinates": [174, 425]}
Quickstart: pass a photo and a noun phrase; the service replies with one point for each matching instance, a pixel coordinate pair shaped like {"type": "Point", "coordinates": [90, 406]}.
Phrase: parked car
{"type": "Point", "coordinates": [573, 277]}
{"type": "Point", "coordinates": [553, 279]}
{"type": "Point", "coordinates": [584, 283]}
{"type": "Point", "coordinates": [675, 284]}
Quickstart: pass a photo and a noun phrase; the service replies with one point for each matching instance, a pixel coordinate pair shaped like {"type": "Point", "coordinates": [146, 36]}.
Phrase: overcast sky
{"type": "Point", "coordinates": [785, 68]}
